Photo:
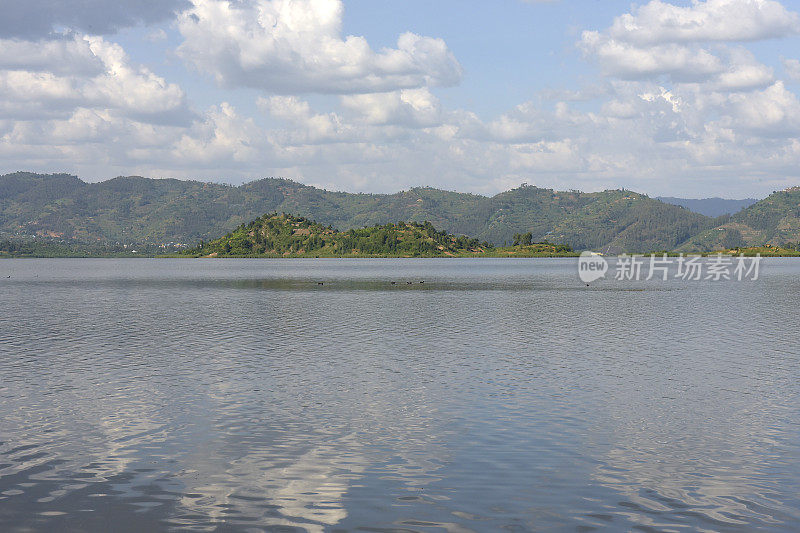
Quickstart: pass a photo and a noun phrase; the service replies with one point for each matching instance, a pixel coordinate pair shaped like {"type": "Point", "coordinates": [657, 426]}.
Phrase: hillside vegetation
{"type": "Point", "coordinates": [283, 235]}
{"type": "Point", "coordinates": [767, 251]}
{"type": "Point", "coordinates": [44, 247]}
{"type": "Point", "coordinates": [150, 211]}
{"type": "Point", "coordinates": [773, 222]}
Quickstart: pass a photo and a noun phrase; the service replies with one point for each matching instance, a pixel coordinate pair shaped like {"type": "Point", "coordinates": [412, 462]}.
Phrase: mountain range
{"type": "Point", "coordinates": [151, 211]}
{"type": "Point", "coordinates": [710, 207]}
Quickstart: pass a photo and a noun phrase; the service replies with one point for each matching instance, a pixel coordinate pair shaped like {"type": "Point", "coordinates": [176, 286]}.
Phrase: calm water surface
{"type": "Point", "coordinates": [241, 395]}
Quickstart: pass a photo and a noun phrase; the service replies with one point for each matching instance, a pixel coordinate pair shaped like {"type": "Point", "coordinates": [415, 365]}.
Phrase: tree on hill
{"type": "Point", "coordinates": [523, 239]}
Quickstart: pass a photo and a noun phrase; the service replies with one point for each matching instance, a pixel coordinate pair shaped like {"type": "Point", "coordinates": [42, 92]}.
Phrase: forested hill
{"type": "Point", "coordinates": [774, 222]}
{"type": "Point", "coordinates": [284, 235]}
{"type": "Point", "coordinates": [142, 210]}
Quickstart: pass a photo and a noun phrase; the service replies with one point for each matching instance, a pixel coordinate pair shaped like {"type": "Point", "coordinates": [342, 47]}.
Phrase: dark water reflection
{"type": "Point", "coordinates": [242, 395]}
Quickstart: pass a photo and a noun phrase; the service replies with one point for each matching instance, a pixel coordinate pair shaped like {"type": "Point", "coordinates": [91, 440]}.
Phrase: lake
{"type": "Point", "coordinates": [315, 395]}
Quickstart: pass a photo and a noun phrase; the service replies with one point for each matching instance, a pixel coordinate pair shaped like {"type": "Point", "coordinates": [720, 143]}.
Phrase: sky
{"type": "Point", "coordinates": [675, 98]}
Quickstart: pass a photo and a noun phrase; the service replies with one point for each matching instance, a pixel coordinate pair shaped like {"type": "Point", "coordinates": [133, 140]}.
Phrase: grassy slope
{"type": "Point", "coordinates": [774, 221]}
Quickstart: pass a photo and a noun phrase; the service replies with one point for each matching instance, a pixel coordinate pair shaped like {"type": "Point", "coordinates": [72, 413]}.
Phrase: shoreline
{"type": "Point", "coordinates": [288, 257]}
{"type": "Point", "coordinates": [521, 256]}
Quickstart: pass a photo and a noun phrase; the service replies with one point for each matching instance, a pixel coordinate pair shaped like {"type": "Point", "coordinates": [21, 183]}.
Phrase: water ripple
{"type": "Point", "coordinates": [243, 395]}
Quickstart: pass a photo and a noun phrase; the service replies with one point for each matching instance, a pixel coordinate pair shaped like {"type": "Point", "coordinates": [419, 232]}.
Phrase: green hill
{"type": "Point", "coordinates": [282, 235]}
{"type": "Point", "coordinates": [773, 222]}
{"type": "Point", "coordinates": [150, 211]}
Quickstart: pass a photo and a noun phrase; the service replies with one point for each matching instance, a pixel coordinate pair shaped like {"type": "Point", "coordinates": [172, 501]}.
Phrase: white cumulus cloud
{"type": "Point", "coordinates": [681, 103]}
{"type": "Point", "coordinates": [629, 61]}
{"type": "Point", "coordinates": [409, 107]}
{"type": "Point", "coordinates": [691, 44]}
{"type": "Point", "coordinates": [296, 46]}
{"type": "Point", "coordinates": [660, 22]}
{"type": "Point", "coordinates": [57, 76]}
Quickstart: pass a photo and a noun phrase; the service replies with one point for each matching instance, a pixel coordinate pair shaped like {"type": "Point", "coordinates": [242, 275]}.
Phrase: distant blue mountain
{"type": "Point", "coordinates": [710, 207]}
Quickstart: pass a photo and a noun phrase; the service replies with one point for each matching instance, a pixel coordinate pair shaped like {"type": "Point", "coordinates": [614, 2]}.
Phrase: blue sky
{"type": "Point", "coordinates": [510, 50]}
{"type": "Point", "coordinates": [673, 98]}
